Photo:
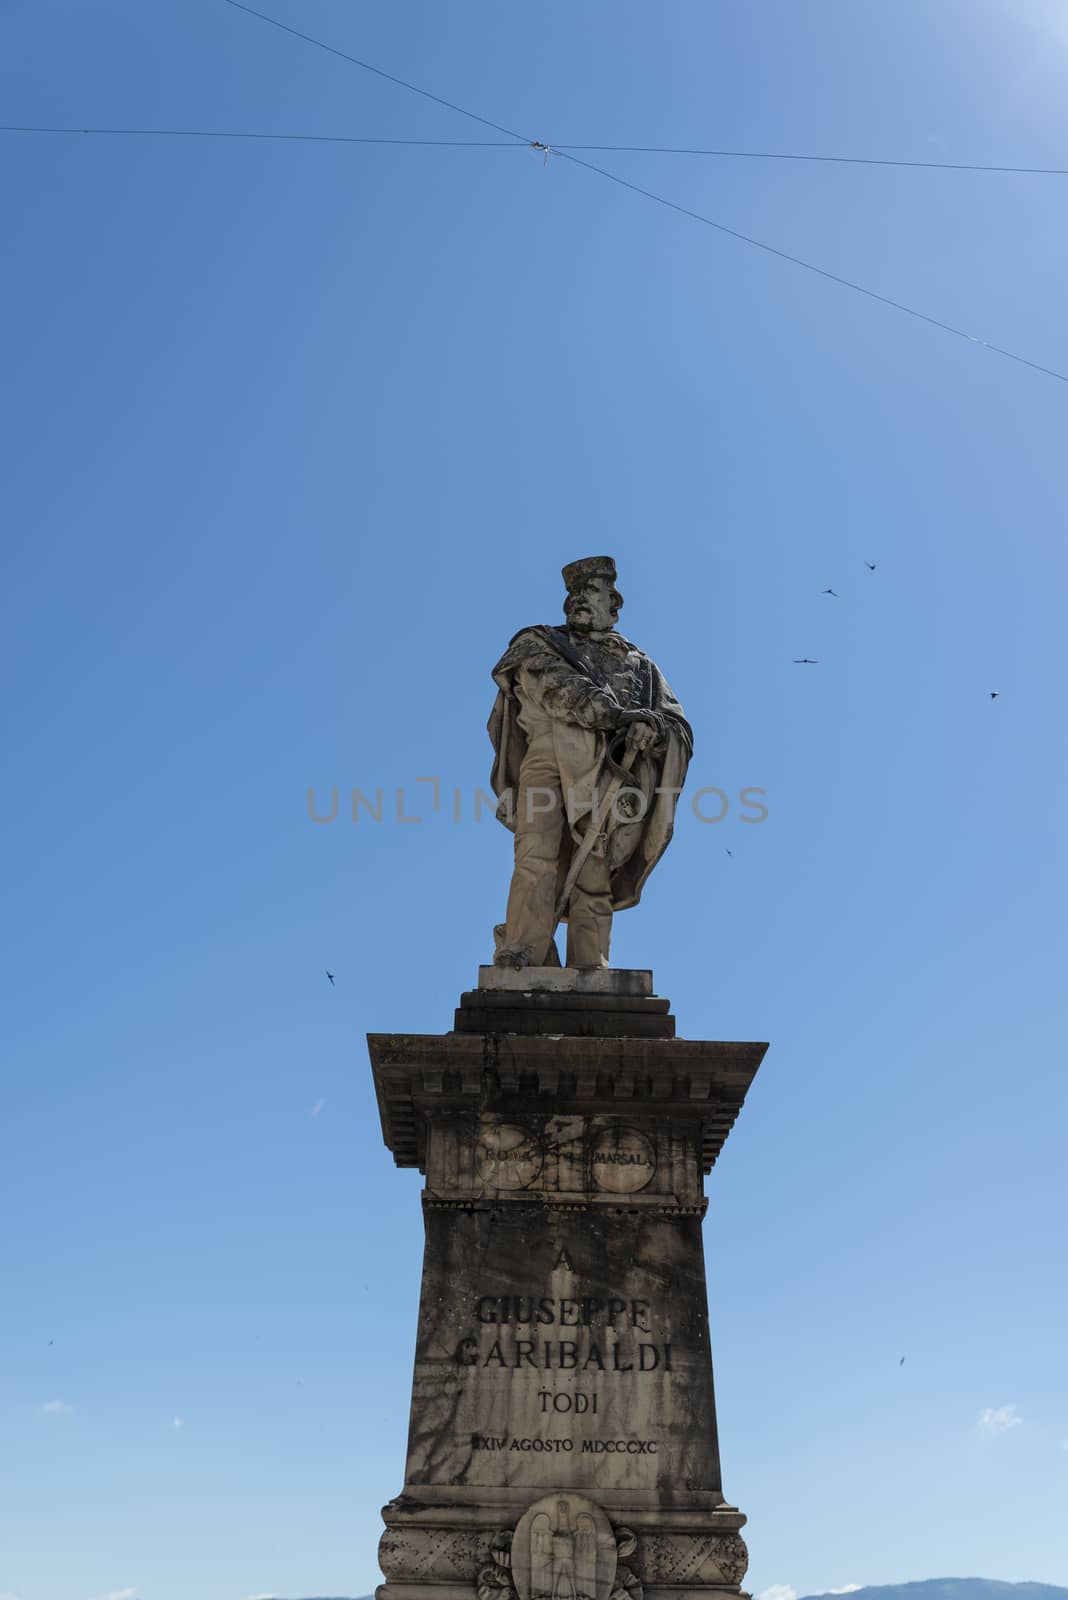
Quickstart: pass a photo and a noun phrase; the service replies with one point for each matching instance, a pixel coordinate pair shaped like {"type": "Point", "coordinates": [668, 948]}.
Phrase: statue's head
{"type": "Point", "coordinates": [593, 601]}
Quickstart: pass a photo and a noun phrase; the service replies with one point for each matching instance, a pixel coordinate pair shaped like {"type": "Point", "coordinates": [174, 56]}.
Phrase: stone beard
{"type": "Point", "coordinates": [591, 749]}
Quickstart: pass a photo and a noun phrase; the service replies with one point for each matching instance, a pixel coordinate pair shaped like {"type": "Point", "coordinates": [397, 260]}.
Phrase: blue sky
{"type": "Point", "coordinates": [296, 436]}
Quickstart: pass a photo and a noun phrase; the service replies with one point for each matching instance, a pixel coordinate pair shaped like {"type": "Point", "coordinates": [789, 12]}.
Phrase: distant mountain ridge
{"type": "Point", "coordinates": [952, 1589]}
{"type": "Point", "coordinates": [924, 1589]}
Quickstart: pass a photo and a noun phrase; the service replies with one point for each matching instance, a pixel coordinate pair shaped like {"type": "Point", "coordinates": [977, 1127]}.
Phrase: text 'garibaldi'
{"type": "Point", "coordinates": [591, 749]}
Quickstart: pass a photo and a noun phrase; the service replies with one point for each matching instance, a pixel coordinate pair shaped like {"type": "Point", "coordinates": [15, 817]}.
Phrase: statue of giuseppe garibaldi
{"type": "Point", "coordinates": [591, 749]}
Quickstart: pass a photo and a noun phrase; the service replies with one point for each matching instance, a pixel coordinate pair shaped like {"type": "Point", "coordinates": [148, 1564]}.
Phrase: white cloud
{"type": "Point", "coordinates": [778, 1591]}
{"type": "Point", "coordinates": [119, 1594]}
{"type": "Point", "coordinates": [315, 1110]}
{"type": "Point", "coordinates": [253, 1597]}
{"type": "Point", "coordinates": [999, 1419]}
{"type": "Point", "coordinates": [847, 1588]}
{"type": "Point", "coordinates": [7, 1595]}
{"type": "Point", "coordinates": [56, 1408]}
{"type": "Point", "coordinates": [178, 1422]}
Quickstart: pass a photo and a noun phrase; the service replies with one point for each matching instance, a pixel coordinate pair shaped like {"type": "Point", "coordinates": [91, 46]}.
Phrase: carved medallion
{"type": "Point", "coordinates": [564, 1549]}
{"type": "Point", "coordinates": [507, 1156]}
{"type": "Point", "coordinates": [622, 1160]}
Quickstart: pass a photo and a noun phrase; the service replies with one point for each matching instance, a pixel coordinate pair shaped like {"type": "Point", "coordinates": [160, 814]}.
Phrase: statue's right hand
{"type": "Point", "coordinates": [641, 734]}
{"type": "Point", "coordinates": [642, 728]}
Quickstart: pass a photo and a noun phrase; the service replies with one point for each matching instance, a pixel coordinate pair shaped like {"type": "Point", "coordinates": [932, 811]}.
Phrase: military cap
{"type": "Point", "coordinates": [576, 573]}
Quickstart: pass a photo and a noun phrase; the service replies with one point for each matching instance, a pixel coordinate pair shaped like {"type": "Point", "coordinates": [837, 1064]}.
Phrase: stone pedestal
{"type": "Point", "coordinates": [562, 1443]}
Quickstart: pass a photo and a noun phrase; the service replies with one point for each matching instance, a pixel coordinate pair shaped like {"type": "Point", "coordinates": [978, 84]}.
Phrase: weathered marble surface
{"type": "Point", "coordinates": [562, 1441]}
{"type": "Point", "coordinates": [567, 1159]}
{"type": "Point", "coordinates": [552, 1013]}
{"type": "Point", "coordinates": [568, 980]}
{"type": "Point", "coordinates": [606, 1070]}
{"type": "Point", "coordinates": [422, 1552]}
{"type": "Point", "coordinates": [565, 1349]}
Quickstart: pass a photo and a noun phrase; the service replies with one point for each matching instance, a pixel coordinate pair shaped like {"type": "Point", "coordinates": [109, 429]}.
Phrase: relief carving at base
{"type": "Point", "coordinates": [443, 1555]}
{"type": "Point", "coordinates": [563, 1548]}
{"type": "Point", "coordinates": [568, 1550]}
{"type": "Point", "coordinates": [688, 1558]}
{"type": "Point", "coordinates": [495, 1581]}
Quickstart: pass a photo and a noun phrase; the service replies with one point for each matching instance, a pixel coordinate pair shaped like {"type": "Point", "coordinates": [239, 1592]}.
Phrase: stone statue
{"type": "Point", "coordinates": [591, 749]}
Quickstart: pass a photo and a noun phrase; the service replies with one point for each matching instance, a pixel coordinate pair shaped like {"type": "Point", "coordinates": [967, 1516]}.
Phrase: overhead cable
{"type": "Point", "coordinates": [512, 143]}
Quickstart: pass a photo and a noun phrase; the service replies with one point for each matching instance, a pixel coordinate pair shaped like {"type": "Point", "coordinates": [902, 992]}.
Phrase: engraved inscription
{"type": "Point", "coordinates": [622, 1161]}
{"type": "Point", "coordinates": [507, 1157]}
{"type": "Point", "coordinates": [608, 1335]}
{"type": "Point", "coordinates": [545, 1353]}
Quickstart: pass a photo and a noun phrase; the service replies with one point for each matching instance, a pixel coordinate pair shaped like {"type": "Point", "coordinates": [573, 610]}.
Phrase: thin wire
{"type": "Point", "coordinates": [781, 155]}
{"type": "Point", "coordinates": [669, 150]}
{"type": "Point", "coordinates": [512, 143]}
{"type": "Point", "coordinates": [378, 72]}
{"type": "Point", "coordinates": [310, 138]}
{"type": "Point", "coordinates": [809, 266]}
{"type": "Point", "coordinates": [671, 205]}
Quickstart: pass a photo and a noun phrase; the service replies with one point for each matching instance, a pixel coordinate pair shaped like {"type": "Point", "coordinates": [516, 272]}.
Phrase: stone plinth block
{"type": "Point", "coordinates": [568, 980]}
{"type": "Point", "coordinates": [562, 1441]}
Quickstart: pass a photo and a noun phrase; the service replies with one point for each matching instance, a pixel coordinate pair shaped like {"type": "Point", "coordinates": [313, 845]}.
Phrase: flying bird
{"type": "Point", "coordinates": [901, 1363]}
{"type": "Point", "coordinates": [995, 694]}
{"type": "Point", "coordinates": [871, 565]}
{"type": "Point", "coordinates": [828, 591]}
{"type": "Point", "coordinates": [803, 661]}
{"type": "Point", "coordinates": [729, 852]}
{"type": "Point", "coordinates": [330, 975]}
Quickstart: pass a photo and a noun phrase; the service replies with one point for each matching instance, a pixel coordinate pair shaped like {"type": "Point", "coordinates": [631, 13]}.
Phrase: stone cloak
{"type": "Point", "coordinates": [634, 846]}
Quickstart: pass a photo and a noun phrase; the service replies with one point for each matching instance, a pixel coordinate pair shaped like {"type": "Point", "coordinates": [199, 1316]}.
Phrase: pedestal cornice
{"type": "Point", "coordinates": [418, 1075]}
